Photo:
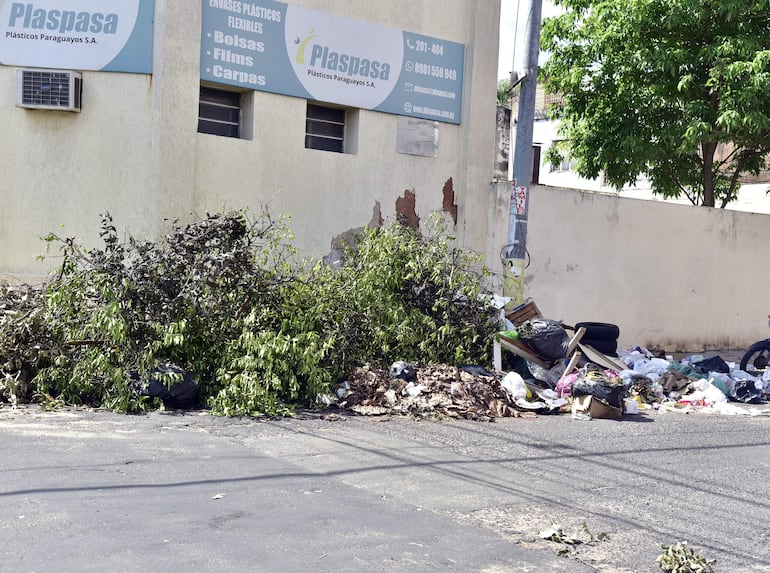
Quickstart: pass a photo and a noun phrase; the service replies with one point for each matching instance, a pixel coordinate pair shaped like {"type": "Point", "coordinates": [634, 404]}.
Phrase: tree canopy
{"type": "Point", "coordinates": [504, 92]}
{"type": "Point", "coordinates": [678, 90]}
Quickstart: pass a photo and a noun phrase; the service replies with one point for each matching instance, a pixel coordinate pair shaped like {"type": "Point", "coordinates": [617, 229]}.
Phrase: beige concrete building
{"type": "Point", "coordinates": [188, 107]}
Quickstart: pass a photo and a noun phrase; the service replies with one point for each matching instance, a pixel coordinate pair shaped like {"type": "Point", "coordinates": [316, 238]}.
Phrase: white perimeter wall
{"type": "Point", "coordinates": [674, 277]}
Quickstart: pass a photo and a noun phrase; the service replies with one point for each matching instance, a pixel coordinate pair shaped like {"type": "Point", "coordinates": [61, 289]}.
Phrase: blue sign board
{"type": "Point", "coordinates": [286, 49]}
{"type": "Point", "coordinates": [106, 35]}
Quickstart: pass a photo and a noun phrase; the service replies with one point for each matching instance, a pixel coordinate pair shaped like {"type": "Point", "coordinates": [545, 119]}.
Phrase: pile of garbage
{"type": "Point", "coordinates": [649, 383]}
{"type": "Point", "coordinates": [695, 383]}
{"type": "Point", "coordinates": [467, 392]}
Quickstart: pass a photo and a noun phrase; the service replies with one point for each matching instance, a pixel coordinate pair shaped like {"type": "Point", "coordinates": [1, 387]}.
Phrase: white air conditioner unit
{"type": "Point", "coordinates": [60, 90]}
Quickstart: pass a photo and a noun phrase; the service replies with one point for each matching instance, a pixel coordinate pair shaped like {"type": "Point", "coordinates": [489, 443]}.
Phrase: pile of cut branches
{"type": "Point", "coordinates": [227, 300]}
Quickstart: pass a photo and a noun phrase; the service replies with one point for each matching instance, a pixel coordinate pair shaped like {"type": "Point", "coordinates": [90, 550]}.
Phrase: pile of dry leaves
{"type": "Point", "coordinates": [435, 390]}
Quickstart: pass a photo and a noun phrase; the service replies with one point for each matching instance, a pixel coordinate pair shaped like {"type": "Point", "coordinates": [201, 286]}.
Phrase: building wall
{"type": "Point", "coordinates": [675, 277]}
{"type": "Point", "coordinates": [60, 170]}
{"type": "Point", "coordinates": [134, 150]}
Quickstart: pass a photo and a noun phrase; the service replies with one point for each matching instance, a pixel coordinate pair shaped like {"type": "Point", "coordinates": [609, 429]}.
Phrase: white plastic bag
{"type": "Point", "coordinates": [514, 386]}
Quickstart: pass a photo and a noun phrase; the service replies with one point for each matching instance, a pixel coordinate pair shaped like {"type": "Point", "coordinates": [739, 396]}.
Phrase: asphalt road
{"type": "Point", "coordinates": [93, 491]}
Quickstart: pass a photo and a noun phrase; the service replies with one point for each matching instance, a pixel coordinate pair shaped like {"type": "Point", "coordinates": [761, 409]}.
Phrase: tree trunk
{"type": "Point", "coordinates": [707, 151]}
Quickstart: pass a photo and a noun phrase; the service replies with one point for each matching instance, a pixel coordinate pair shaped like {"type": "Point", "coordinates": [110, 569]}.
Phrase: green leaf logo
{"type": "Point", "coordinates": [300, 57]}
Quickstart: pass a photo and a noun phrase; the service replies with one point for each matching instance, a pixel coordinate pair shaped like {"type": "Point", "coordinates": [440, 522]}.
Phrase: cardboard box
{"type": "Point", "coordinates": [595, 408]}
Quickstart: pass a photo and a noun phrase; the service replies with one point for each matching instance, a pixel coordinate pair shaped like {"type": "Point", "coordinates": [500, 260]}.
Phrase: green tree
{"type": "Point", "coordinates": [678, 90]}
{"type": "Point", "coordinates": [504, 93]}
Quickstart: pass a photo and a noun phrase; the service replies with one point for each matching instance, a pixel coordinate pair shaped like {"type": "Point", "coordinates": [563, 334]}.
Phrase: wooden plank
{"type": "Point", "coordinates": [521, 349]}
{"type": "Point", "coordinates": [601, 359]}
{"type": "Point", "coordinates": [575, 340]}
{"type": "Point", "coordinates": [497, 355]}
{"type": "Point", "coordinates": [572, 363]}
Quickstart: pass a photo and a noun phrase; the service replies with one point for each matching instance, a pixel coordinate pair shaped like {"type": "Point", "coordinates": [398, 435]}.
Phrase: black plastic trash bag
{"type": "Point", "coordinates": [476, 370]}
{"type": "Point", "coordinates": [546, 337]}
{"type": "Point", "coordinates": [403, 371]}
{"type": "Point", "coordinates": [746, 391]}
{"type": "Point", "coordinates": [173, 385]}
{"type": "Point", "coordinates": [596, 383]}
{"type": "Point", "coordinates": [713, 364]}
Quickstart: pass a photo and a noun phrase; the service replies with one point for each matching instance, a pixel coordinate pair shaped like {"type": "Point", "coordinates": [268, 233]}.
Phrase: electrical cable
{"type": "Point", "coordinates": [504, 251]}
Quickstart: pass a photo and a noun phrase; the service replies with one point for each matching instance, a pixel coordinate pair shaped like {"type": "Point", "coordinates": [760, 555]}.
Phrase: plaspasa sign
{"type": "Point", "coordinates": [107, 35]}
{"type": "Point", "coordinates": [286, 49]}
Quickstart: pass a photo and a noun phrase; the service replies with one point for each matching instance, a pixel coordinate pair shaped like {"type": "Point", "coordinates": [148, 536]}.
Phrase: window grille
{"type": "Point", "coordinates": [219, 112]}
{"type": "Point", "coordinates": [325, 128]}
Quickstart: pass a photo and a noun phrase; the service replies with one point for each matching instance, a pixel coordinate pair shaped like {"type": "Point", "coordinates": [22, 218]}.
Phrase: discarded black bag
{"type": "Point", "coordinates": [546, 337]}
{"type": "Point", "coordinates": [594, 383]}
{"type": "Point", "coordinates": [173, 385]}
{"type": "Point", "coordinates": [404, 371]}
{"type": "Point", "coordinates": [713, 364]}
{"type": "Point", "coordinates": [746, 391]}
{"type": "Point", "coordinates": [476, 370]}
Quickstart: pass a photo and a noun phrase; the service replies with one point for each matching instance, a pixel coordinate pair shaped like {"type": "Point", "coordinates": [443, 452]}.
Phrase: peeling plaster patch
{"type": "Point", "coordinates": [406, 213]}
{"type": "Point", "coordinates": [377, 220]}
{"type": "Point", "coordinates": [336, 256]}
{"type": "Point", "coordinates": [449, 205]}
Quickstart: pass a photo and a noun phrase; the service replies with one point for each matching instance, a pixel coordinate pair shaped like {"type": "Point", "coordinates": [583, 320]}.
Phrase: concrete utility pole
{"type": "Point", "coordinates": [524, 73]}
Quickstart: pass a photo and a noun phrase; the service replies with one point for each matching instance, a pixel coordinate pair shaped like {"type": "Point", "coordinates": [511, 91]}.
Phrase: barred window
{"type": "Point", "coordinates": [325, 128]}
{"type": "Point", "coordinates": [219, 112]}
